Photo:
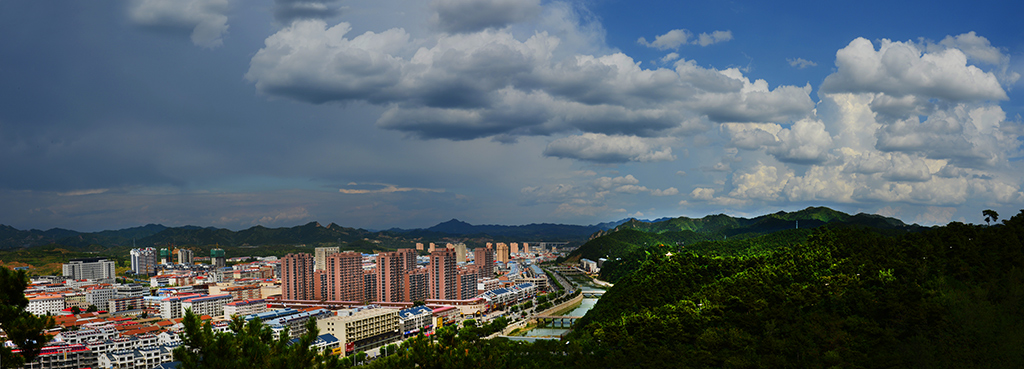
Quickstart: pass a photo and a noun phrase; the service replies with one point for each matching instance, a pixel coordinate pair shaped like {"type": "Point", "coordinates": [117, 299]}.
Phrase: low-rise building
{"type": "Point", "coordinates": [62, 355]}
{"type": "Point", "coordinates": [246, 292]}
{"type": "Point", "coordinates": [170, 307]}
{"type": "Point", "coordinates": [445, 315]}
{"type": "Point", "coordinates": [131, 290]}
{"type": "Point", "coordinates": [50, 304]}
{"type": "Point", "coordinates": [296, 323]}
{"type": "Point", "coordinates": [212, 305]}
{"type": "Point", "coordinates": [99, 295]}
{"type": "Point", "coordinates": [84, 335]}
{"type": "Point", "coordinates": [323, 342]}
{"type": "Point", "coordinates": [245, 307]}
{"type": "Point", "coordinates": [140, 358]}
{"type": "Point", "coordinates": [124, 304]}
{"type": "Point", "coordinates": [415, 319]}
{"type": "Point", "coordinates": [361, 330]}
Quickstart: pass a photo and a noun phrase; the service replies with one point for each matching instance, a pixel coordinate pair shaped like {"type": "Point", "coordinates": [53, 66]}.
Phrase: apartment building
{"type": "Point", "coordinates": [483, 258]}
{"type": "Point", "coordinates": [467, 283]}
{"type": "Point", "coordinates": [370, 285]}
{"type": "Point", "coordinates": [390, 269]}
{"type": "Point", "coordinates": [297, 277]}
{"type": "Point", "coordinates": [415, 285]}
{"type": "Point", "coordinates": [443, 276]}
{"type": "Point", "coordinates": [502, 253]}
{"type": "Point", "coordinates": [170, 307]}
{"type": "Point", "coordinates": [345, 277]}
{"type": "Point", "coordinates": [124, 304]}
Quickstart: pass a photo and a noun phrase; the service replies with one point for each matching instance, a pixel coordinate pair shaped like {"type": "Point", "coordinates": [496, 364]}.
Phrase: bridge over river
{"type": "Point", "coordinates": [543, 320]}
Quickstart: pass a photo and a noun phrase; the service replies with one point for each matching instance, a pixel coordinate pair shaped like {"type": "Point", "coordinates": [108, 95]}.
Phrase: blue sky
{"type": "Point", "coordinates": [396, 113]}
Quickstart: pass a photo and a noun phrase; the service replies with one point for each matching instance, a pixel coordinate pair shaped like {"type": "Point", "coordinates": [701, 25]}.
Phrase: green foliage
{"type": "Point", "coordinates": [949, 297]}
{"type": "Point", "coordinates": [249, 345]}
{"type": "Point", "coordinates": [719, 235]}
{"type": "Point", "coordinates": [22, 328]}
{"type": "Point", "coordinates": [990, 216]}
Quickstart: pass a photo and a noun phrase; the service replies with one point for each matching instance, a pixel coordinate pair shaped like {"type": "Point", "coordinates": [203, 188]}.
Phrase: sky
{"type": "Point", "coordinates": [407, 113]}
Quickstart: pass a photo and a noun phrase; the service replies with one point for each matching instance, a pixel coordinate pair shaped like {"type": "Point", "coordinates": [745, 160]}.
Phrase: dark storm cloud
{"type": "Point", "coordinates": [459, 16]}
{"type": "Point", "coordinates": [287, 11]}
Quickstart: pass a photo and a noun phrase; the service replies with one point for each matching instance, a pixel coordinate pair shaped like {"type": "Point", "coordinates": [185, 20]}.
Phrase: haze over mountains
{"type": "Point", "coordinates": [313, 232]}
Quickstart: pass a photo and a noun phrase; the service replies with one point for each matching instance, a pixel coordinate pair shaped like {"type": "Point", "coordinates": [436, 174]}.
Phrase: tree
{"type": "Point", "coordinates": [24, 329]}
{"type": "Point", "coordinates": [76, 310]}
{"type": "Point", "coordinates": [92, 309]}
{"type": "Point", "coordinates": [990, 215]}
{"type": "Point", "coordinates": [250, 345]}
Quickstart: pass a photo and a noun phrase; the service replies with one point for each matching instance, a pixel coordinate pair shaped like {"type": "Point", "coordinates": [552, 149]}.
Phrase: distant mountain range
{"type": "Point", "coordinates": [153, 235]}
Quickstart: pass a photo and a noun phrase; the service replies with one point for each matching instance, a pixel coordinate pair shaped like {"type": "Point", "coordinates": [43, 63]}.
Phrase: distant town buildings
{"type": "Point", "coordinates": [138, 323]}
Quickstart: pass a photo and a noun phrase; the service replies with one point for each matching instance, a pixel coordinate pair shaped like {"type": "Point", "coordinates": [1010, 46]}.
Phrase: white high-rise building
{"type": "Point", "coordinates": [90, 268]}
{"type": "Point", "coordinates": [184, 256]}
{"type": "Point", "coordinates": [144, 261]}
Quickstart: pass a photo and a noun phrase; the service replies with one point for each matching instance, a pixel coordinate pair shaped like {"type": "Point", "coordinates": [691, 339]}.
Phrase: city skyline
{"type": "Point", "coordinates": [397, 113]}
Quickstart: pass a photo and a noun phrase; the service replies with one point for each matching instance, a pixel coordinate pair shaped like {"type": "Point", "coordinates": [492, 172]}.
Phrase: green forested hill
{"type": "Point", "coordinates": [949, 297]}
{"type": "Point", "coordinates": [718, 235]}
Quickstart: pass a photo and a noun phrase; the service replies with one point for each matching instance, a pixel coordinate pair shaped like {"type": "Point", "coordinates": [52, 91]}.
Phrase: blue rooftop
{"type": "Point", "coordinates": [271, 314]}
{"type": "Point", "coordinates": [413, 311]}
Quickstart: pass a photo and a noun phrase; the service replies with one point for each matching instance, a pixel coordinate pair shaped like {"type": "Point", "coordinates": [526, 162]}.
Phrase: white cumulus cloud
{"type": "Point", "coordinates": [673, 39]}
{"type": "Point", "coordinates": [902, 68]}
{"type": "Point", "coordinates": [205, 19]}
{"type": "Point", "coordinates": [609, 149]}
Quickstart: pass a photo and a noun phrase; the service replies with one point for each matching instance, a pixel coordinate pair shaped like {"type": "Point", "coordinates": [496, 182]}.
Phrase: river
{"type": "Point", "coordinates": [556, 330]}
